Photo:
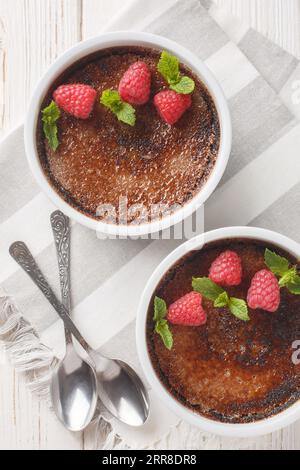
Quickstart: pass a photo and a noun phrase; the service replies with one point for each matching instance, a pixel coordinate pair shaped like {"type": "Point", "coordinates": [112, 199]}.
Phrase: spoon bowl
{"type": "Point", "coordinates": [121, 390]}
{"type": "Point", "coordinates": [74, 391]}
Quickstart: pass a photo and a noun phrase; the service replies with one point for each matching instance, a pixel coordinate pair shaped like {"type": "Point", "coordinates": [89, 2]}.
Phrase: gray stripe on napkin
{"type": "Point", "coordinates": [273, 63]}
{"type": "Point", "coordinates": [283, 215]}
{"type": "Point", "coordinates": [17, 183]}
{"type": "Point", "coordinates": [101, 259]}
{"type": "Point", "coordinates": [120, 347]}
{"type": "Point", "coordinates": [258, 117]}
{"type": "Point", "coordinates": [189, 24]}
{"type": "Point", "coordinates": [28, 298]}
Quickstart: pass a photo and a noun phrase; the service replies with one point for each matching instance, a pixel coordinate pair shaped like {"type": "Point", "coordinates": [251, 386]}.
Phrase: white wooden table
{"type": "Point", "coordinates": [32, 34]}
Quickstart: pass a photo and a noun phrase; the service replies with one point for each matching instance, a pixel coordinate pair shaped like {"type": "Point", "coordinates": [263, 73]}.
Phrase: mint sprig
{"type": "Point", "coordinates": [122, 110]}
{"type": "Point", "coordinates": [287, 277]}
{"type": "Point", "coordinates": [160, 309]}
{"type": "Point", "coordinates": [161, 324]}
{"type": "Point", "coordinates": [212, 291]}
{"type": "Point", "coordinates": [277, 264]}
{"type": "Point", "coordinates": [185, 86]}
{"type": "Point", "coordinates": [168, 66]}
{"type": "Point", "coordinates": [294, 285]}
{"type": "Point", "coordinates": [207, 288]}
{"type": "Point", "coordinates": [222, 300]}
{"type": "Point", "coordinates": [50, 116]}
{"type": "Point", "coordinates": [286, 273]}
{"type": "Point", "coordinates": [238, 308]}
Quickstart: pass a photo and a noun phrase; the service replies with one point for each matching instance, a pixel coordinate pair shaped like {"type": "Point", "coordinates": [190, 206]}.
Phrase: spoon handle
{"type": "Point", "coordinates": [24, 258]}
{"type": "Point", "coordinates": [61, 232]}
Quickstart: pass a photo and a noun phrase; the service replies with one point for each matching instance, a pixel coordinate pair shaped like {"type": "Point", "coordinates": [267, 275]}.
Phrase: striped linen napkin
{"type": "Point", "coordinates": [261, 187]}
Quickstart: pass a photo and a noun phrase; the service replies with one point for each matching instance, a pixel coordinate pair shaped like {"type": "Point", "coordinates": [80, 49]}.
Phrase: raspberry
{"type": "Point", "coordinates": [171, 105]}
{"type": "Point", "coordinates": [264, 291]}
{"type": "Point", "coordinates": [135, 84]}
{"type": "Point", "coordinates": [226, 269]}
{"type": "Point", "coordinates": [187, 310]}
{"type": "Point", "coordinates": [76, 99]}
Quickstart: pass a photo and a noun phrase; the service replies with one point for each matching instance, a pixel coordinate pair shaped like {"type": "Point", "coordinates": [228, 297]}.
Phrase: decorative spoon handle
{"type": "Point", "coordinates": [61, 232]}
{"type": "Point", "coordinates": [24, 258]}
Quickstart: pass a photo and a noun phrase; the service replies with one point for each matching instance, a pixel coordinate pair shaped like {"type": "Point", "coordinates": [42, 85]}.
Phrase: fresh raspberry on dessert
{"type": "Point", "coordinates": [226, 269]}
{"type": "Point", "coordinates": [264, 291]}
{"type": "Point", "coordinates": [171, 105]}
{"type": "Point", "coordinates": [187, 310]}
{"type": "Point", "coordinates": [76, 99]}
{"type": "Point", "coordinates": [135, 84]}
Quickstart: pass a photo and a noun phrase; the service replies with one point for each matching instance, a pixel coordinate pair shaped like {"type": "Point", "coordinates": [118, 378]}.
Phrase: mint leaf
{"type": "Point", "coordinates": [222, 300]}
{"type": "Point", "coordinates": [51, 112]}
{"type": "Point", "coordinates": [294, 285]}
{"type": "Point", "coordinates": [122, 110]}
{"type": "Point", "coordinates": [277, 264]}
{"type": "Point", "coordinates": [280, 266]}
{"type": "Point", "coordinates": [111, 99]}
{"type": "Point", "coordinates": [168, 66]}
{"type": "Point", "coordinates": [161, 324]}
{"type": "Point", "coordinates": [238, 308]}
{"type": "Point", "coordinates": [160, 309]}
{"type": "Point", "coordinates": [207, 288]}
{"type": "Point", "coordinates": [185, 86]}
{"type": "Point", "coordinates": [162, 328]}
{"type": "Point", "coordinates": [50, 116]}
{"type": "Point", "coordinates": [127, 114]}
{"type": "Point", "coordinates": [288, 277]}
{"type": "Point", "coordinates": [219, 296]}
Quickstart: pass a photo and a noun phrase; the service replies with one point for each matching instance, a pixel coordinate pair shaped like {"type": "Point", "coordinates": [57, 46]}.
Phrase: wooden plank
{"type": "Point", "coordinates": [32, 34]}
{"type": "Point", "coordinates": [26, 423]}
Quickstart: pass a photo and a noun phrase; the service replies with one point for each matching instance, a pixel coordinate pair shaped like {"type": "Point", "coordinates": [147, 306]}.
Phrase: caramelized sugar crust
{"type": "Point", "coordinates": [229, 370]}
{"type": "Point", "coordinates": [101, 159]}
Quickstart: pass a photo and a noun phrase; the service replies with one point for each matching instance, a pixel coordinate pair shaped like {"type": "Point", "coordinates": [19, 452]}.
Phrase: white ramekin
{"type": "Point", "coordinates": [114, 40]}
{"type": "Point", "coordinates": [257, 428]}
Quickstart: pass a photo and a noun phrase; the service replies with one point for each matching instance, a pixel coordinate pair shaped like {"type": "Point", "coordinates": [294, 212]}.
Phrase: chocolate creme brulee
{"type": "Point", "coordinates": [100, 160]}
{"type": "Point", "coordinates": [229, 370]}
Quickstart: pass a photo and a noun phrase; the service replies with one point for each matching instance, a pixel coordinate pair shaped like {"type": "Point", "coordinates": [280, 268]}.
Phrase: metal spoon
{"type": "Point", "coordinates": [119, 387]}
{"type": "Point", "coordinates": [74, 383]}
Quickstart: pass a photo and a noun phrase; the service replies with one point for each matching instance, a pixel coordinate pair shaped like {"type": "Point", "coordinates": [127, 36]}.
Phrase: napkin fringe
{"type": "Point", "coordinates": [24, 349]}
